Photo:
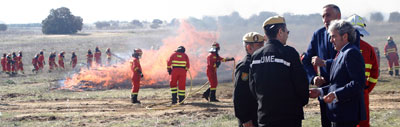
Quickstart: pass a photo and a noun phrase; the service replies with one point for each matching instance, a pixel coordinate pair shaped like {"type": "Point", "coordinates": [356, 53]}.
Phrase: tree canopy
{"type": "Point", "coordinates": [61, 21]}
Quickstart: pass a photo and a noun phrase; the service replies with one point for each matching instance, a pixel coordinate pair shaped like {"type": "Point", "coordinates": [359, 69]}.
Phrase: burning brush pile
{"type": "Point", "coordinates": [153, 63]}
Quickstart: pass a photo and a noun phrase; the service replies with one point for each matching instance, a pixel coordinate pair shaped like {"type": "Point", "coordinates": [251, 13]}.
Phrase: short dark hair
{"type": "Point", "coordinates": [272, 30]}
{"type": "Point", "coordinates": [333, 6]}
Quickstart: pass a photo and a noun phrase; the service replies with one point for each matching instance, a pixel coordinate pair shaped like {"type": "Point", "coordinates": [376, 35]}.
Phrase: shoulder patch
{"type": "Point", "coordinates": [244, 76]}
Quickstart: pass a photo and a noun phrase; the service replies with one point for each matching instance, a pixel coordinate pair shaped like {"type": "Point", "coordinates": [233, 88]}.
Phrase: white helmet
{"type": "Point", "coordinates": [358, 23]}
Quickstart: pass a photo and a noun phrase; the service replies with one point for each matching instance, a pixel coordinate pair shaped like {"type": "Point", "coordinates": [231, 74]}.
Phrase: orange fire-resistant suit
{"type": "Point", "coordinates": [97, 57]}
{"type": "Point", "coordinates": [392, 57]}
{"type": "Point", "coordinates": [137, 73]}
{"type": "Point", "coordinates": [20, 65]}
{"type": "Point", "coordinates": [41, 61]}
{"type": "Point", "coordinates": [177, 65]}
{"type": "Point", "coordinates": [14, 65]}
{"type": "Point", "coordinates": [371, 75]}
{"type": "Point", "coordinates": [61, 60]}
{"type": "Point", "coordinates": [212, 60]}
{"type": "Point", "coordinates": [52, 61]}
{"type": "Point", "coordinates": [9, 63]}
{"type": "Point", "coordinates": [89, 59]}
{"type": "Point", "coordinates": [3, 63]}
{"type": "Point", "coordinates": [35, 63]}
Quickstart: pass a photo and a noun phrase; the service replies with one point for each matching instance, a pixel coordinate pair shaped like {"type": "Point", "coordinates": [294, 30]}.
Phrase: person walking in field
{"type": "Point", "coordinates": [41, 61]}
{"type": "Point", "coordinates": [20, 65]}
{"type": "Point", "coordinates": [392, 56]}
{"type": "Point", "coordinates": [52, 61]}
{"type": "Point", "coordinates": [35, 63]}
{"type": "Point", "coordinates": [4, 62]}
{"type": "Point", "coordinates": [74, 60]}
{"type": "Point", "coordinates": [61, 60]}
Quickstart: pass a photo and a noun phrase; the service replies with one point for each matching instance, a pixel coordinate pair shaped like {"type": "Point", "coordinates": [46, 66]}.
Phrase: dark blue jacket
{"type": "Point", "coordinates": [321, 46]}
{"type": "Point", "coordinates": [347, 81]}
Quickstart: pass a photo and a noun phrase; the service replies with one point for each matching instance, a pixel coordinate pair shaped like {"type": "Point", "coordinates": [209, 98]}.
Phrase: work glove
{"type": "Point", "coordinates": [218, 63]}
{"type": "Point", "coordinates": [169, 71]}
{"type": "Point", "coordinates": [141, 75]}
{"type": "Point", "coordinates": [229, 59]}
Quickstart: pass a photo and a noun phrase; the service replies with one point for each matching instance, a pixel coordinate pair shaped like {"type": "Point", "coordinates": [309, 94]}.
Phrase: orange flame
{"type": "Point", "coordinates": [153, 62]}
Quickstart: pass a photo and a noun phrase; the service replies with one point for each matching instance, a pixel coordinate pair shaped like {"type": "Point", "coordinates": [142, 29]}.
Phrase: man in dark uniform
{"type": "Point", "coordinates": [278, 79]}
{"type": "Point", "coordinates": [245, 104]}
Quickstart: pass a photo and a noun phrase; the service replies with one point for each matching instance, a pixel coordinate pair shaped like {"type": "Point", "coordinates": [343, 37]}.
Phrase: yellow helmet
{"type": "Point", "coordinates": [359, 23]}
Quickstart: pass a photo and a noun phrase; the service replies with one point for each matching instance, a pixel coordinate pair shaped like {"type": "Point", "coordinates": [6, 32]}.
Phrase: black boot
{"type": "Point", "coordinates": [396, 72]}
{"type": "Point", "coordinates": [134, 99]}
{"type": "Point", "coordinates": [181, 98]}
{"type": "Point", "coordinates": [391, 72]}
{"type": "Point", "coordinates": [213, 98]}
{"type": "Point", "coordinates": [174, 98]}
{"type": "Point", "coordinates": [206, 94]}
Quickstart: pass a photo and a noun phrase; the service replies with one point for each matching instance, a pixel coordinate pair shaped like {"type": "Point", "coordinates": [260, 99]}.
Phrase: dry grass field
{"type": "Point", "coordinates": [36, 100]}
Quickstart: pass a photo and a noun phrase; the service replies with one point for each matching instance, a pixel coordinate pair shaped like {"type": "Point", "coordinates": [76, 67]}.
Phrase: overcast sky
{"type": "Point", "coordinates": [34, 11]}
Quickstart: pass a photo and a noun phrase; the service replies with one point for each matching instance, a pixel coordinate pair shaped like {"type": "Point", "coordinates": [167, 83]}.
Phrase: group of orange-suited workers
{"type": "Point", "coordinates": [177, 66]}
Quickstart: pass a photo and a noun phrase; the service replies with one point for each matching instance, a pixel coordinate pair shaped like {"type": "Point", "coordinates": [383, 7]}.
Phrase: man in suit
{"type": "Point", "coordinates": [320, 53]}
{"type": "Point", "coordinates": [344, 95]}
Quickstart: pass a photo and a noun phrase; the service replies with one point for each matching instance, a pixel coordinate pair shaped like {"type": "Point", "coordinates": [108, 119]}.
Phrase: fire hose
{"type": "Point", "coordinates": [149, 107]}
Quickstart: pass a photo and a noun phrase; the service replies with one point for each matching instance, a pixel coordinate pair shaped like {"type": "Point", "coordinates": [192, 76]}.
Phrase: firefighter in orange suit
{"type": "Point", "coordinates": [392, 56]}
{"type": "Point", "coordinates": [177, 66]}
{"type": "Point", "coordinates": [89, 59]}
{"type": "Point", "coordinates": [35, 63]}
{"type": "Point", "coordinates": [52, 61]}
{"type": "Point", "coordinates": [9, 63]}
{"type": "Point", "coordinates": [371, 63]}
{"type": "Point", "coordinates": [14, 63]}
{"type": "Point", "coordinates": [137, 74]}
{"type": "Point", "coordinates": [4, 62]}
{"type": "Point", "coordinates": [74, 60]}
{"type": "Point", "coordinates": [61, 59]}
{"type": "Point", "coordinates": [20, 65]}
{"type": "Point", "coordinates": [108, 53]}
{"type": "Point", "coordinates": [97, 56]}
{"type": "Point", "coordinates": [41, 61]}
{"type": "Point", "coordinates": [213, 62]}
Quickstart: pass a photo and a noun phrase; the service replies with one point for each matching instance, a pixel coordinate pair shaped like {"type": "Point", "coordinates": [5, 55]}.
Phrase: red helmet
{"type": "Point", "coordinates": [137, 52]}
{"type": "Point", "coordinates": [215, 45]}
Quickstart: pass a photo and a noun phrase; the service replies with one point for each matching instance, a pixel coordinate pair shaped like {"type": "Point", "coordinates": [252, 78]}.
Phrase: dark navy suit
{"type": "Point", "coordinates": [320, 46]}
{"type": "Point", "coordinates": [347, 80]}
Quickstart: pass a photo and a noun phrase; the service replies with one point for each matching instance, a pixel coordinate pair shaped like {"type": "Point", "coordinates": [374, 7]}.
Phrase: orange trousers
{"type": "Point", "coordinates": [178, 78]}
{"type": "Point", "coordinates": [135, 83]}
